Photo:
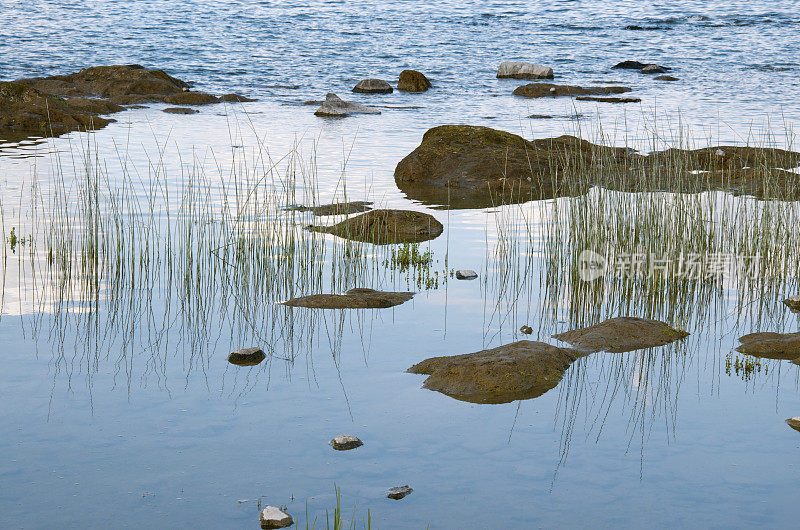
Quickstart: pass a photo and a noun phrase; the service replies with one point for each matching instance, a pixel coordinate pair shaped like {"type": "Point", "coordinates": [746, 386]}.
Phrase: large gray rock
{"type": "Point", "coordinates": [622, 334]}
{"type": "Point", "coordinates": [523, 70]}
{"type": "Point", "coordinates": [373, 86]}
{"type": "Point", "coordinates": [274, 517]}
{"type": "Point", "coordinates": [520, 370]}
{"type": "Point", "coordinates": [334, 106]}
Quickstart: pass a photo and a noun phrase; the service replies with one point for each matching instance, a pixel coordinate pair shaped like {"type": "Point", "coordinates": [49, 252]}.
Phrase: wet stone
{"type": "Point", "coordinates": [794, 423]}
{"type": "Point", "coordinates": [466, 274]}
{"type": "Point", "coordinates": [608, 100]}
{"type": "Point", "coordinates": [398, 492]}
{"type": "Point", "coordinates": [274, 517]}
{"type": "Point", "coordinates": [523, 70]}
{"type": "Point", "coordinates": [336, 208]}
{"type": "Point", "coordinates": [666, 78]}
{"type": "Point", "coordinates": [383, 227]}
{"type": "Point", "coordinates": [247, 357]}
{"type": "Point", "coordinates": [527, 330]}
{"type": "Point", "coordinates": [412, 81]}
{"type": "Point", "coordinates": [180, 110]}
{"type": "Point", "coordinates": [622, 334]}
{"type": "Point", "coordinates": [771, 345]}
{"type": "Point", "coordinates": [334, 106]}
{"type": "Point", "coordinates": [793, 303]}
{"type": "Point", "coordinates": [540, 90]}
{"type": "Point", "coordinates": [345, 442]}
{"type": "Point", "coordinates": [373, 86]}
{"type": "Point", "coordinates": [358, 298]}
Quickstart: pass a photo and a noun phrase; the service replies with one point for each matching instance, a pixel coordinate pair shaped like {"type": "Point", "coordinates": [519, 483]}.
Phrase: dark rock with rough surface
{"type": "Point", "coordinates": [413, 81]}
{"type": "Point", "coordinates": [398, 492]}
{"type": "Point", "coordinates": [666, 78]}
{"type": "Point", "coordinates": [793, 303]}
{"type": "Point", "coordinates": [180, 110]}
{"type": "Point", "coordinates": [247, 357]}
{"type": "Point", "coordinates": [622, 334]}
{"type": "Point", "coordinates": [336, 208]}
{"type": "Point", "coordinates": [540, 90]}
{"type": "Point", "coordinates": [373, 86]}
{"type": "Point", "coordinates": [608, 100]}
{"type": "Point", "coordinates": [345, 442]}
{"type": "Point", "coordinates": [771, 345]}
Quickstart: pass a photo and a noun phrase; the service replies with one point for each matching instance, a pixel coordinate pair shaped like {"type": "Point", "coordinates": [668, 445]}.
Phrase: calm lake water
{"type": "Point", "coordinates": [121, 409]}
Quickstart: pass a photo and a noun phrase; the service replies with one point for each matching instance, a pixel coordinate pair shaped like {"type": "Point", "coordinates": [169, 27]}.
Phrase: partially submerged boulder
{"type": "Point", "coordinates": [464, 166]}
{"type": "Point", "coordinates": [654, 69]}
{"type": "Point", "coordinates": [520, 370]}
{"type": "Point", "coordinates": [373, 86]}
{"type": "Point", "coordinates": [608, 100]}
{"type": "Point", "coordinates": [540, 90]}
{"type": "Point", "coordinates": [236, 98]}
{"type": "Point", "coordinates": [334, 106]}
{"type": "Point", "coordinates": [386, 227]}
{"type": "Point", "coordinates": [336, 208]}
{"type": "Point", "coordinates": [345, 442]}
{"type": "Point", "coordinates": [247, 357]}
{"type": "Point", "coordinates": [771, 345]}
{"type": "Point", "coordinates": [358, 298]}
{"type": "Point", "coordinates": [413, 81]}
{"type": "Point", "coordinates": [398, 492]}
{"type": "Point", "coordinates": [25, 111]}
{"type": "Point", "coordinates": [180, 110]}
{"type": "Point", "coordinates": [523, 70]}
{"type": "Point", "coordinates": [794, 423]}
{"type": "Point", "coordinates": [636, 65]}
{"type": "Point", "coordinates": [190, 98]}
{"type": "Point", "coordinates": [666, 78]}
{"type": "Point", "coordinates": [274, 517]}
{"type": "Point", "coordinates": [622, 334]}
{"type": "Point", "coordinates": [793, 303]}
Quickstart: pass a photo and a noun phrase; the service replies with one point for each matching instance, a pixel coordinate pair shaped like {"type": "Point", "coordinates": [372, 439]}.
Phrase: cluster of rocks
{"type": "Point", "coordinates": [49, 106]}
{"type": "Point", "coordinates": [335, 107]}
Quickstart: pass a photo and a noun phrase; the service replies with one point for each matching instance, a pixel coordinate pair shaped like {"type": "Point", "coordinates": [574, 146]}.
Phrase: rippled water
{"type": "Point", "coordinates": [100, 427]}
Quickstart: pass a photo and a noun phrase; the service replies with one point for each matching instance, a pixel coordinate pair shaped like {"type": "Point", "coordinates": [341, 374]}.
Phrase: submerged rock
{"type": "Point", "coordinates": [654, 69]}
{"type": "Point", "coordinates": [373, 86]}
{"type": "Point", "coordinates": [274, 517]}
{"type": "Point", "coordinates": [26, 111]}
{"type": "Point", "coordinates": [180, 110]}
{"type": "Point", "coordinates": [334, 106]}
{"type": "Point", "coordinates": [520, 370]}
{"type": "Point", "coordinates": [466, 274]}
{"type": "Point", "coordinates": [247, 357]}
{"type": "Point", "coordinates": [336, 208]}
{"type": "Point", "coordinates": [358, 298]}
{"type": "Point", "coordinates": [464, 166]}
{"type": "Point", "coordinates": [540, 90]}
{"type": "Point", "coordinates": [345, 442]}
{"type": "Point", "coordinates": [236, 98]}
{"type": "Point", "coordinates": [666, 78]}
{"type": "Point", "coordinates": [622, 334]}
{"type": "Point", "coordinates": [413, 81]}
{"type": "Point", "coordinates": [608, 100]}
{"type": "Point", "coordinates": [398, 492]}
{"type": "Point", "coordinates": [771, 345]}
{"type": "Point", "coordinates": [190, 98]}
{"type": "Point", "coordinates": [386, 227]}
{"type": "Point", "coordinates": [523, 70]}
{"type": "Point", "coordinates": [794, 423]}
{"type": "Point", "coordinates": [636, 65]}
{"type": "Point", "coordinates": [793, 303]}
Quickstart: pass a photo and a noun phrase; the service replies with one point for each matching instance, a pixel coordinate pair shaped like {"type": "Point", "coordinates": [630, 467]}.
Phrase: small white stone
{"type": "Point", "coordinates": [343, 442]}
{"type": "Point", "coordinates": [466, 274]}
{"type": "Point", "coordinates": [273, 517]}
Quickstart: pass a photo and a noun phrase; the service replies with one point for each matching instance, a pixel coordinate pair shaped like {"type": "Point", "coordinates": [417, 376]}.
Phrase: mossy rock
{"type": "Point", "coordinates": [622, 334]}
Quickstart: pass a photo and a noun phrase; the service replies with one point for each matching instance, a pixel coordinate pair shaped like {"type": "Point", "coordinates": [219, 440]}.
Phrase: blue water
{"type": "Point", "coordinates": [174, 436]}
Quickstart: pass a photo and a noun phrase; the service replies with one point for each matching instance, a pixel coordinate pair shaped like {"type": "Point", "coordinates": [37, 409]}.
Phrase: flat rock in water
{"type": "Point", "coordinates": [636, 65]}
{"type": "Point", "coordinates": [398, 492]}
{"type": "Point", "coordinates": [527, 330]}
{"type": "Point", "coordinates": [793, 303]}
{"type": "Point", "coordinates": [794, 423]}
{"type": "Point", "coordinates": [373, 86]}
{"type": "Point", "coordinates": [622, 334]}
{"type": "Point", "coordinates": [190, 98]}
{"type": "Point", "coordinates": [466, 274]}
{"type": "Point", "coordinates": [608, 100]}
{"type": "Point", "coordinates": [336, 208]}
{"type": "Point", "coordinates": [540, 90]}
{"type": "Point", "coordinates": [274, 517]}
{"type": "Point", "coordinates": [523, 70]}
{"type": "Point", "coordinates": [180, 110]}
{"type": "Point", "coordinates": [359, 298]}
{"type": "Point", "coordinates": [386, 227]}
{"type": "Point", "coordinates": [413, 81]}
{"type": "Point", "coordinates": [771, 345]}
{"type": "Point", "coordinates": [334, 106]}
{"type": "Point", "coordinates": [345, 442]}
{"type": "Point", "coordinates": [520, 370]}
{"type": "Point", "coordinates": [235, 98]}
{"type": "Point", "coordinates": [666, 78]}
{"type": "Point", "coordinates": [247, 357]}
{"type": "Point", "coordinates": [654, 69]}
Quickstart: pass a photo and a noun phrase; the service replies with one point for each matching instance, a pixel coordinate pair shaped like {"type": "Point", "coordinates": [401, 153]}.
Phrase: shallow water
{"type": "Point", "coordinates": [109, 421]}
